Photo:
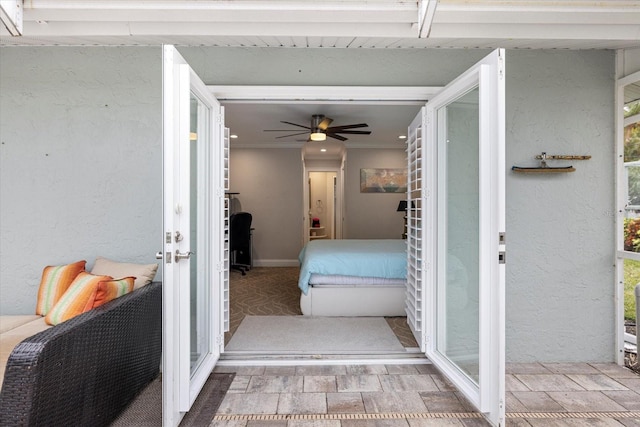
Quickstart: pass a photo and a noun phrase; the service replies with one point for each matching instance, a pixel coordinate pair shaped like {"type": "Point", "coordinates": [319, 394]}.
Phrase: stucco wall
{"type": "Point", "coordinates": [80, 161]}
{"type": "Point", "coordinates": [338, 67]}
{"type": "Point", "coordinates": [560, 227]}
{"type": "Point", "coordinates": [80, 169]}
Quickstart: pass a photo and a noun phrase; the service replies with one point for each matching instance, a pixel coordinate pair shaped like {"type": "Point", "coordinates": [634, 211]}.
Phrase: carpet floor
{"type": "Point", "coordinates": [273, 291]}
{"type": "Point", "coordinates": [314, 335]}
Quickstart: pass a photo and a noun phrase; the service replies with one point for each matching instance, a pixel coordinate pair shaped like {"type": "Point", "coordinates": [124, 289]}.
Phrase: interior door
{"type": "Point", "coordinates": [462, 224]}
{"type": "Point", "coordinates": [194, 233]}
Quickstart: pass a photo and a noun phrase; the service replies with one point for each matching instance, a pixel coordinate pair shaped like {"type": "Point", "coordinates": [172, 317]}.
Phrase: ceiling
{"type": "Point", "coordinates": [351, 24]}
{"type": "Point", "coordinates": [521, 24]}
{"type": "Point", "coordinates": [386, 123]}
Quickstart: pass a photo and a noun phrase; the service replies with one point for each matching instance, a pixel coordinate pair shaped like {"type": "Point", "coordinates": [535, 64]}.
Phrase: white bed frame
{"type": "Point", "coordinates": [360, 300]}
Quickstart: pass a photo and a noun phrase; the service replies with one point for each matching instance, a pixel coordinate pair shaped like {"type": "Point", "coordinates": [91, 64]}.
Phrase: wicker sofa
{"type": "Point", "coordinates": [85, 371]}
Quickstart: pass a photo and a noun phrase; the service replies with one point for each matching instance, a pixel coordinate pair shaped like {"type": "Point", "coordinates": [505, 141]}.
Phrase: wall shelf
{"type": "Point", "coordinates": [317, 233]}
{"type": "Point", "coordinates": [545, 168]}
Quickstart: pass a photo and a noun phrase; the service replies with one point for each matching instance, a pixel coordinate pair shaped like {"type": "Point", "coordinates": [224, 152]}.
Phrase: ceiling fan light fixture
{"type": "Point", "coordinates": [320, 129]}
{"type": "Point", "coordinates": [318, 136]}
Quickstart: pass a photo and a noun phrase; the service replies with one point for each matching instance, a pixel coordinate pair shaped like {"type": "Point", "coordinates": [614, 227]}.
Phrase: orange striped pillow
{"type": "Point", "coordinates": [54, 283]}
{"type": "Point", "coordinates": [78, 298]}
{"type": "Point", "coordinates": [111, 289]}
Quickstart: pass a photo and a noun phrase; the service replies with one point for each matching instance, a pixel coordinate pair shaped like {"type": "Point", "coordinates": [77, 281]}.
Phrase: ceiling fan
{"type": "Point", "coordinates": [320, 129]}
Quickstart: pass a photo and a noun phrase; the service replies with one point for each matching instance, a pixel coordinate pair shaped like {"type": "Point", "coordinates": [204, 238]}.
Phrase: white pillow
{"type": "Point", "coordinates": [144, 273]}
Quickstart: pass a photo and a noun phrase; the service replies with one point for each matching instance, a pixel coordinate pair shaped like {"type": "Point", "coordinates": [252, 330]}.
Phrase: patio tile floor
{"type": "Point", "coordinates": [564, 394]}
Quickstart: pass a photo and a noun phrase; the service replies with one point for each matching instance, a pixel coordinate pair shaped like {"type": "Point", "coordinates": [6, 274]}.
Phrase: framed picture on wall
{"type": "Point", "coordinates": [376, 180]}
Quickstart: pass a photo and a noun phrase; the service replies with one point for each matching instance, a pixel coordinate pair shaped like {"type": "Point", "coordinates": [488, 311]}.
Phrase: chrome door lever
{"type": "Point", "coordinates": [159, 255]}
{"type": "Point", "coordinates": [180, 255]}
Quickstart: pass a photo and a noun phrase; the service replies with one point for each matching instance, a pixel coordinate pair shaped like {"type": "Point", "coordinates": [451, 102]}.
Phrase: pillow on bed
{"type": "Point", "coordinates": [54, 283]}
{"type": "Point", "coordinates": [144, 273]}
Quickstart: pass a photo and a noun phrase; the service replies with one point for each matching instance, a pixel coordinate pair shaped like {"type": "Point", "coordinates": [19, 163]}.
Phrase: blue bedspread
{"type": "Point", "coordinates": [365, 258]}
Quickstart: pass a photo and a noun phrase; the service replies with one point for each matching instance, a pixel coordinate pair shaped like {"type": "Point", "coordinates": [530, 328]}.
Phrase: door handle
{"type": "Point", "coordinates": [159, 255]}
{"type": "Point", "coordinates": [180, 255]}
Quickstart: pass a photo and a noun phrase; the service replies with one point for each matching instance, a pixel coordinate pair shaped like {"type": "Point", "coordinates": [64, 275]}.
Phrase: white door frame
{"type": "Point", "coordinates": [418, 172]}
{"type": "Point", "coordinates": [622, 336]}
{"type": "Point", "coordinates": [488, 75]}
{"type": "Point", "coordinates": [181, 381]}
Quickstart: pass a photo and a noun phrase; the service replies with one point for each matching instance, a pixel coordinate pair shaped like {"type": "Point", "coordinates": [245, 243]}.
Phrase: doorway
{"type": "Point", "coordinates": [482, 383]}
{"type": "Point", "coordinates": [325, 160]}
{"type": "Point", "coordinates": [322, 204]}
{"type": "Point", "coordinates": [628, 217]}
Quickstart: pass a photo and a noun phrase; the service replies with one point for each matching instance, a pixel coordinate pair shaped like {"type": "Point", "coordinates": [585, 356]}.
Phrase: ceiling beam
{"type": "Point", "coordinates": [524, 31]}
{"type": "Point", "coordinates": [397, 95]}
{"type": "Point", "coordinates": [331, 23]}
{"type": "Point", "coordinates": [222, 11]}
{"type": "Point", "coordinates": [11, 16]}
{"type": "Point", "coordinates": [426, 12]}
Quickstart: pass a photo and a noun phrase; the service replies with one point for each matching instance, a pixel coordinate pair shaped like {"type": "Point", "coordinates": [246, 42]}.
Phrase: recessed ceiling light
{"type": "Point", "coordinates": [323, 150]}
{"type": "Point", "coordinates": [233, 136]}
{"type": "Point", "coordinates": [402, 137]}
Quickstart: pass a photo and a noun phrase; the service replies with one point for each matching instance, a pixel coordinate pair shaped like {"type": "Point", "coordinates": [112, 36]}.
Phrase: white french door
{"type": "Point", "coordinates": [416, 231]}
{"type": "Point", "coordinates": [456, 302]}
{"type": "Point", "coordinates": [195, 255]}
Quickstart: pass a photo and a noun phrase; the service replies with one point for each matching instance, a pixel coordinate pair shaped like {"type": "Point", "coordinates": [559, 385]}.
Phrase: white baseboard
{"type": "Point", "coordinates": [276, 263]}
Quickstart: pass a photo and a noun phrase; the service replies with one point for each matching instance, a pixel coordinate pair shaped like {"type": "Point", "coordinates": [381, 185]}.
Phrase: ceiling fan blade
{"type": "Point", "coordinates": [339, 128]}
{"type": "Point", "coordinates": [324, 124]}
{"type": "Point", "coordinates": [278, 130]}
{"type": "Point", "coordinates": [353, 132]}
{"type": "Point", "coordinates": [293, 134]}
{"type": "Point", "coordinates": [336, 136]}
{"type": "Point", "coordinates": [295, 124]}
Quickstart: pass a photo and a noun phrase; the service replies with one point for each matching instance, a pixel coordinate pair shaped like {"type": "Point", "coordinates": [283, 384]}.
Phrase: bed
{"type": "Point", "coordinates": [353, 278]}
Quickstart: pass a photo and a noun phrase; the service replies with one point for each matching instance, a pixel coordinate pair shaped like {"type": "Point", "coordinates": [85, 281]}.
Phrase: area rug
{"type": "Point", "coordinates": [313, 335]}
{"type": "Point", "coordinates": [146, 409]}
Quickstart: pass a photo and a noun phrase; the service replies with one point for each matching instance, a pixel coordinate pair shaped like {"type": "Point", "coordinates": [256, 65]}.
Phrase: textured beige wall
{"type": "Point", "coordinates": [270, 185]}
{"type": "Point", "coordinates": [372, 215]}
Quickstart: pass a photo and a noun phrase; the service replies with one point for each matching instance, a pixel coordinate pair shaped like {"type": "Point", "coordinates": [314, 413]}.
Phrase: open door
{"type": "Point", "coordinates": [195, 253]}
{"type": "Point", "coordinates": [456, 302]}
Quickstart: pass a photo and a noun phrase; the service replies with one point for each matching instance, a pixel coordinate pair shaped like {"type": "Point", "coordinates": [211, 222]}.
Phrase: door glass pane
{"type": "Point", "coordinates": [632, 172]}
{"type": "Point", "coordinates": [199, 342]}
{"type": "Point", "coordinates": [458, 283]}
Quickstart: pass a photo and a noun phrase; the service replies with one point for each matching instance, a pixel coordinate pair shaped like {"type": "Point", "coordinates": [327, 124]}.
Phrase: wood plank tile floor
{"type": "Point", "coordinates": [418, 395]}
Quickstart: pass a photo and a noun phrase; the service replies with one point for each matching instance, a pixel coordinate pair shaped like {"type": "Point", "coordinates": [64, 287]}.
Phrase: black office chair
{"type": "Point", "coordinates": [240, 241]}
